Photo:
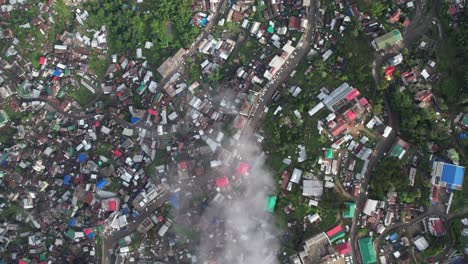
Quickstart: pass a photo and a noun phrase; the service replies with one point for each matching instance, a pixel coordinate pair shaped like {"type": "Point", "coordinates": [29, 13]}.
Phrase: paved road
{"type": "Point", "coordinates": [289, 66]}
{"type": "Point", "coordinates": [421, 22]}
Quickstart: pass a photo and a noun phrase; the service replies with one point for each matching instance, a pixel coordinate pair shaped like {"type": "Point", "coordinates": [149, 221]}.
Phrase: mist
{"type": "Point", "coordinates": [239, 230]}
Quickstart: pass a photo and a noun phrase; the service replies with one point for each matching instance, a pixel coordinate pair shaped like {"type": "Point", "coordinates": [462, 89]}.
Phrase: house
{"type": "Point", "coordinates": [294, 23]}
{"type": "Point", "coordinates": [436, 226]}
{"type": "Point", "coordinates": [366, 248]}
{"type": "Point", "coordinates": [335, 233]}
{"type": "Point", "coordinates": [421, 243]}
{"type": "Point", "coordinates": [344, 248]}
{"type": "Point", "coordinates": [447, 175]}
{"type": "Point", "coordinates": [296, 176]}
{"type": "Point", "coordinates": [349, 213]}
{"type": "Point", "coordinates": [312, 188]}
{"type": "Point", "coordinates": [387, 40]}
{"type": "Point", "coordinates": [3, 118]}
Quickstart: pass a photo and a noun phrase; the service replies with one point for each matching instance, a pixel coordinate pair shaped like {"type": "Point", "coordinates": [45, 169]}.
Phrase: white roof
{"type": "Point", "coordinates": [296, 175]}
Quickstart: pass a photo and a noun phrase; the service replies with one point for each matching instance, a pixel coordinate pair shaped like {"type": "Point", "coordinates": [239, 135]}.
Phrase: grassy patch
{"type": "Point", "coordinates": [97, 65]}
{"type": "Point", "coordinates": [81, 95]}
{"type": "Point", "coordinates": [104, 149]}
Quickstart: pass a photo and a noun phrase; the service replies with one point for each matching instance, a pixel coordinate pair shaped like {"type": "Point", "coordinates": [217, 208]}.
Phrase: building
{"type": "Point", "coordinates": [3, 118]}
{"type": "Point", "coordinates": [344, 248]}
{"type": "Point", "coordinates": [387, 40]}
{"type": "Point", "coordinates": [336, 98]}
{"type": "Point", "coordinates": [447, 175]}
{"type": "Point", "coordinates": [312, 188]}
{"type": "Point", "coordinates": [421, 243]}
{"type": "Point", "coordinates": [367, 250]}
{"type": "Point", "coordinates": [335, 233]}
{"type": "Point", "coordinates": [349, 213]}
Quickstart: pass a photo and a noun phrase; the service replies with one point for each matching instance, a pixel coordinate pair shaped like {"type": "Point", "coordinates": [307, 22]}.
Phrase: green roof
{"type": "Point", "coordinates": [397, 151]}
{"type": "Point", "coordinates": [271, 202]}
{"type": "Point", "coordinates": [367, 250]}
{"type": "Point", "coordinates": [42, 257]}
{"type": "Point", "coordinates": [337, 236]}
{"type": "Point", "coordinates": [329, 154]}
{"type": "Point", "coordinates": [70, 233]}
{"type": "Point", "coordinates": [350, 212]}
{"type": "Point", "coordinates": [270, 29]}
{"type": "Point", "coordinates": [465, 120]}
{"type": "Point", "coordinates": [387, 40]}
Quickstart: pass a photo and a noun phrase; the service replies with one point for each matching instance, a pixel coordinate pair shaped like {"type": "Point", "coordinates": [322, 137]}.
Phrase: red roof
{"type": "Point", "coordinates": [344, 248]}
{"type": "Point", "coordinates": [117, 153]}
{"type": "Point", "coordinates": [363, 101]}
{"type": "Point", "coordinates": [152, 112]}
{"type": "Point", "coordinates": [395, 17]}
{"type": "Point", "coordinates": [242, 168]}
{"type": "Point", "coordinates": [438, 226]}
{"type": "Point", "coordinates": [222, 182]}
{"type": "Point", "coordinates": [335, 230]}
{"type": "Point", "coordinates": [407, 22]}
{"type": "Point", "coordinates": [435, 194]}
{"type": "Point", "coordinates": [353, 94]}
{"type": "Point", "coordinates": [350, 115]}
{"type": "Point", "coordinates": [389, 71]}
{"type": "Point", "coordinates": [182, 165]}
{"type": "Point", "coordinates": [337, 130]}
{"type": "Point", "coordinates": [240, 122]}
{"type": "Point", "coordinates": [97, 124]}
{"type": "Point", "coordinates": [119, 94]}
{"type": "Point", "coordinates": [42, 60]}
{"type": "Point", "coordinates": [160, 218]}
{"type": "Point", "coordinates": [285, 179]}
{"type": "Point", "coordinates": [453, 10]}
{"type": "Point", "coordinates": [112, 205]}
{"type": "Point", "coordinates": [22, 262]}
{"type": "Point", "coordinates": [294, 23]}
{"type": "Point", "coordinates": [88, 231]}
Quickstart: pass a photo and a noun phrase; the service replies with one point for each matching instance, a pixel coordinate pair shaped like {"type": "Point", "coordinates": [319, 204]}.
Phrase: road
{"type": "Point", "coordinates": [110, 242]}
{"type": "Point", "coordinates": [420, 23]}
{"type": "Point", "coordinates": [284, 72]}
{"type": "Point", "coordinates": [433, 211]}
{"type": "Point", "coordinates": [194, 47]}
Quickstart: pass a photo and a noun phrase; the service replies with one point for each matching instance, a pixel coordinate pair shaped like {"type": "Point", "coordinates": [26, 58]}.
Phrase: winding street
{"type": "Point", "coordinates": [284, 72]}
{"type": "Point", "coordinates": [432, 211]}
{"type": "Point", "coordinates": [420, 23]}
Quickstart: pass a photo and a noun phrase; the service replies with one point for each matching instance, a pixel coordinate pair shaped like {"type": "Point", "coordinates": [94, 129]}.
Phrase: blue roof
{"type": "Point", "coordinates": [452, 175]}
{"type": "Point", "coordinates": [133, 120]}
{"type": "Point", "coordinates": [72, 222]}
{"type": "Point", "coordinates": [91, 235]}
{"type": "Point", "coordinates": [135, 214]}
{"type": "Point", "coordinates": [125, 211]}
{"type": "Point", "coordinates": [66, 180]}
{"type": "Point", "coordinates": [57, 72]}
{"type": "Point", "coordinates": [101, 184]}
{"type": "Point", "coordinates": [462, 135]}
{"type": "Point", "coordinates": [82, 157]}
{"type": "Point", "coordinates": [394, 237]}
{"type": "Point", "coordinates": [174, 201]}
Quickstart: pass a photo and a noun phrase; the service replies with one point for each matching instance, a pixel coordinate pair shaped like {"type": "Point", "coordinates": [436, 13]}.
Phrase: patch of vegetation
{"type": "Point", "coordinates": [104, 149]}
{"type": "Point", "coordinates": [161, 158]}
{"type": "Point", "coordinates": [82, 95]}
{"type": "Point", "coordinates": [452, 54]}
{"type": "Point", "coordinates": [388, 176]}
{"type": "Point", "coordinates": [97, 65]}
{"type": "Point", "coordinates": [165, 23]}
